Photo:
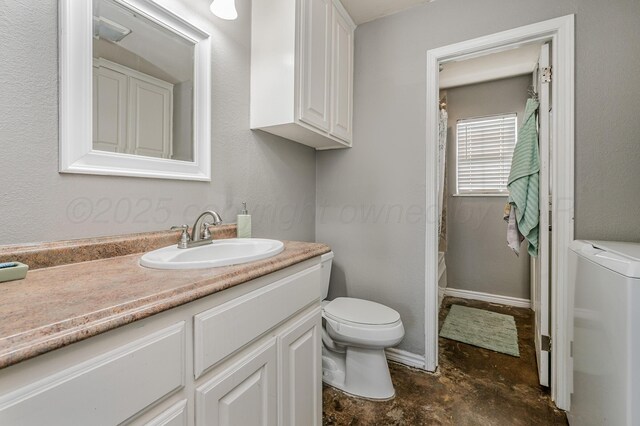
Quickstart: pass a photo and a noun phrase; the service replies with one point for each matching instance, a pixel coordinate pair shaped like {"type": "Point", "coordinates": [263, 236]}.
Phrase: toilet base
{"type": "Point", "coordinates": [359, 372]}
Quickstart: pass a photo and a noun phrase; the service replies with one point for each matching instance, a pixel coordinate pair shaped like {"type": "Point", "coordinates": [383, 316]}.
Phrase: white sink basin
{"type": "Point", "coordinates": [219, 253]}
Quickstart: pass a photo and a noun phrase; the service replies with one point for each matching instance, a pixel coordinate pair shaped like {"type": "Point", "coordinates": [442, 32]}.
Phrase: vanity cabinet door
{"type": "Point", "coordinates": [342, 75]}
{"type": "Point", "coordinates": [300, 372]}
{"type": "Point", "coordinates": [243, 394]}
{"type": "Point", "coordinates": [315, 61]}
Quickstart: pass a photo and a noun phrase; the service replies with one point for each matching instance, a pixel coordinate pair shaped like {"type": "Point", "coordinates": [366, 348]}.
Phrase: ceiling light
{"type": "Point", "coordinates": [224, 9]}
{"type": "Point", "coordinates": [105, 29]}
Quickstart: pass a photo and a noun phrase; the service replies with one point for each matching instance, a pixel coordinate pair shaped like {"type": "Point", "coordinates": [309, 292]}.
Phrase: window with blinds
{"type": "Point", "coordinates": [484, 152]}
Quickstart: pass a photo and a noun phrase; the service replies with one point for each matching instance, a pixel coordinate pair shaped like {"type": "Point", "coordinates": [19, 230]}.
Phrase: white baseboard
{"type": "Point", "coordinates": [487, 297]}
{"type": "Point", "coordinates": [406, 358]}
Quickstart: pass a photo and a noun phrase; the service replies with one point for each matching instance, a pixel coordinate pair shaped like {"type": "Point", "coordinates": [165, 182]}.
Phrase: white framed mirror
{"type": "Point", "coordinates": [134, 91]}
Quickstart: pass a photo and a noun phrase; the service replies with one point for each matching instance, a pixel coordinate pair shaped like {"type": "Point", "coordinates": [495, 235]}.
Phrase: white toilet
{"type": "Point", "coordinates": [354, 336]}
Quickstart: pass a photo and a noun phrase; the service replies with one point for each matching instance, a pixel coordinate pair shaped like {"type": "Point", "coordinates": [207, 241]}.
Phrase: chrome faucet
{"type": "Point", "coordinates": [200, 235]}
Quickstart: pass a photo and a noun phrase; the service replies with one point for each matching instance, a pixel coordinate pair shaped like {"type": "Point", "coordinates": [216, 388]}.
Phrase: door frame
{"type": "Point", "coordinates": [560, 31]}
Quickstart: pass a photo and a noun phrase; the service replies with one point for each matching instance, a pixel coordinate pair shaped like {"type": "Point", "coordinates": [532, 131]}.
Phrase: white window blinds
{"type": "Point", "coordinates": [484, 152]}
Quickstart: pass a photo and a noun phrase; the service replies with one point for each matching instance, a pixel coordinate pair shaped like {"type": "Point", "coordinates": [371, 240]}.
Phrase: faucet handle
{"type": "Point", "coordinates": [184, 237]}
{"type": "Point", "coordinates": [206, 234]}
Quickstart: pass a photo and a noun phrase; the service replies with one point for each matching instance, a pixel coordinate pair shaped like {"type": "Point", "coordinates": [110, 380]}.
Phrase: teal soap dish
{"type": "Point", "coordinates": [10, 271]}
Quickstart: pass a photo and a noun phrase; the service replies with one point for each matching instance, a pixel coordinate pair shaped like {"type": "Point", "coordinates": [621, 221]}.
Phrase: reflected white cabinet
{"type": "Point", "coordinates": [109, 110]}
{"type": "Point", "coordinates": [302, 71]}
{"type": "Point", "coordinates": [150, 117]}
{"type": "Point", "coordinates": [132, 111]}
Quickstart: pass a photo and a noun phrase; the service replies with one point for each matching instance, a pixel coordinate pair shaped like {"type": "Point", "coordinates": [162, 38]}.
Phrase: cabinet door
{"type": "Point", "coordinates": [300, 372]}
{"type": "Point", "coordinates": [315, 61]}
{"type": "Point", "coordinates": [109, 110]}
{"type": "Point", "coordinates": [244, 394]}
{"type": "Point", "coordinates": [342, 75]}
{"type": "Point", "coordinates": [151, 117]}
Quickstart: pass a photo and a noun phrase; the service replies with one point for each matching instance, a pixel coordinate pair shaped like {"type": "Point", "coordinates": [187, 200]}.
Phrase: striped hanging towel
{"type": "Point", "coordinates": [523, 183]}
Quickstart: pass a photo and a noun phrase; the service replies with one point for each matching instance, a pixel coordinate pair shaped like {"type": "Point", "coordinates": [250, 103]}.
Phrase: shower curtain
{"type": "Point", "coordinates": [442, 159]}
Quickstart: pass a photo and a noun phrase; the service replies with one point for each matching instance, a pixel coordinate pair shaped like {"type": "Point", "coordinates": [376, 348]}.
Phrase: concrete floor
{"type": "Point", "coordinates": [473, 386]}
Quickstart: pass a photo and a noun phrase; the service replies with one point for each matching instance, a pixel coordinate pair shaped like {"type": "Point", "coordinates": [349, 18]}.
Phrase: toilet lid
{"type": "Point", "coordinates": [361, 311]}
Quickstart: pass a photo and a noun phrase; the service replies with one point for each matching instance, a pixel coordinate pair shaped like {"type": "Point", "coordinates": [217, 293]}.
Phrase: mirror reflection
{"type": "Point", "coordinates": [142, 85]}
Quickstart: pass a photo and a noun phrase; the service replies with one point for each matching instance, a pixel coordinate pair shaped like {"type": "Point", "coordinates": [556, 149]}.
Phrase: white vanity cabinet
{"type": "Point", "coordinates": [249, 355]}
{"type": "Point", "coordinates": [302, 71]}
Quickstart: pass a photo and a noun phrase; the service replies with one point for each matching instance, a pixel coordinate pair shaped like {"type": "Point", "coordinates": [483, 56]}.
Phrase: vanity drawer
{"type": "Point", "coordinates": [175, 415]}
{"type": "Point", "coordinates": [224, 329]}
{"type": "Point", "coordinates": [104, 390]}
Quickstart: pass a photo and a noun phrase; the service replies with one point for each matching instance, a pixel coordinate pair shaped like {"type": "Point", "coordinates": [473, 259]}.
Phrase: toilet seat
{"type": "Point", "coordinates": [359, 311]}
{"type": "Point", "coordinates": [357, 322]}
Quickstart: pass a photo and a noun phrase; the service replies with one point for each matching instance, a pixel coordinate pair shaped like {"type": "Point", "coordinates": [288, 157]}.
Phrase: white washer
{"type": "Point", "coordinates": [606, 333]}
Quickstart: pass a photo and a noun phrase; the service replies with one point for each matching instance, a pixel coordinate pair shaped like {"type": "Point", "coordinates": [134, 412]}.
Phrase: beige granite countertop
{"type": "Point", "coordinates": [56, 306]}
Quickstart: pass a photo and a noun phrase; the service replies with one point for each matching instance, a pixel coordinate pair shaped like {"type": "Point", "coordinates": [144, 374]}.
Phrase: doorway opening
{"type": "Point", "coordinates": [484, 104]}
{"type": "Point", "coordinates": [549, 270]}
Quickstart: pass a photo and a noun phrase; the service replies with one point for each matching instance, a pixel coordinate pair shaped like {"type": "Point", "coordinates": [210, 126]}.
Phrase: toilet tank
{"type": "Point", "coordinates": [326, 260]}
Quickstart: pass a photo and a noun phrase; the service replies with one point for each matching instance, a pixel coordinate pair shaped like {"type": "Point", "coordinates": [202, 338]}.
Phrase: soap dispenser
{"type": "Point", "coordinates": [244, 223]}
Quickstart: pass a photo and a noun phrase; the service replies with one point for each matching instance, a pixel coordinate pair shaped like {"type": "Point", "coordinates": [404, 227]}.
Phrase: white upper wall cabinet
{"type": "Point", "coordinates": [302, 71]}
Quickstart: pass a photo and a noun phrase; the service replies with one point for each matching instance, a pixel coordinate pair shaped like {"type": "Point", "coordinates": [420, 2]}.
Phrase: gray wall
{"type": "Point", "coordinates": [478, 258]}
{"type": "Point", "coordinates": [275, 177]}
{"type": "Point", "coordinates": [384, 260]}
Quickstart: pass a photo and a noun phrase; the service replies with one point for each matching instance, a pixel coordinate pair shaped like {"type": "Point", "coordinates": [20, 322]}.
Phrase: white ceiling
{"type": "Point", "coordinates": [362, 11]}
{"type": "Point", "coordinates": [508, 63]}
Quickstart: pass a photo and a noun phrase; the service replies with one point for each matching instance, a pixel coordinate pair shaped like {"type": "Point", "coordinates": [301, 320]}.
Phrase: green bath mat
{"type": "Point", "coordinates": [481, 328]}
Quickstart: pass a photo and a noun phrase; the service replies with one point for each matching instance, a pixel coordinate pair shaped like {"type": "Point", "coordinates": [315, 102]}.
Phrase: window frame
{"type": "Point", "coordinates": [481, 193]}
